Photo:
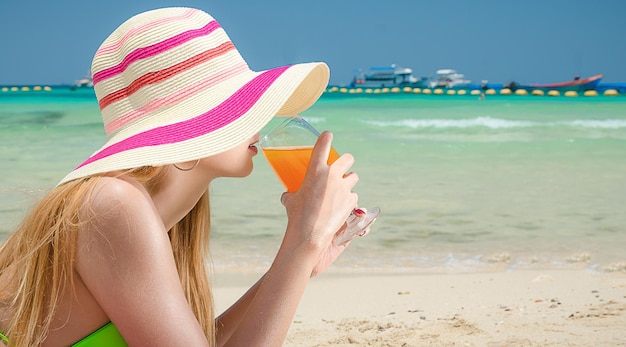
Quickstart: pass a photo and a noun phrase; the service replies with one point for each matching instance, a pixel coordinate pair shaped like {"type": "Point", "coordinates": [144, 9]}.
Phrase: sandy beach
{"type": "Point", "coordinates": [510, 308]}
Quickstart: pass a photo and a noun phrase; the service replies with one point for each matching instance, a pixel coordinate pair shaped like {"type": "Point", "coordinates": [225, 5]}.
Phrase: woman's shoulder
{"type": "Point", "coordinates": [112, 198]}
{"type": "Point", "coordinates": [118, 186]}
{"type": "Point", "coordinates": [116, 191]}
{"type": "Point", "coordinates": [119, 217]}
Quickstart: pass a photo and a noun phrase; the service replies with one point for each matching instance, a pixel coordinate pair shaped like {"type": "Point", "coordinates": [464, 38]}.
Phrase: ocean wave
{"type": "Point", "coordinates": [601, 124]}
{"type": "Point", "coordinates": [495, 123]}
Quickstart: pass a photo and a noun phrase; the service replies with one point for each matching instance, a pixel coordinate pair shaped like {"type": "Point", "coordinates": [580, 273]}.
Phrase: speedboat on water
{"type": "Point", "coordinates": [448, 78]}
{"type": "Point", "coordinates": [577, 84]}
{"type": "Point", "coordinates": [387, 76]}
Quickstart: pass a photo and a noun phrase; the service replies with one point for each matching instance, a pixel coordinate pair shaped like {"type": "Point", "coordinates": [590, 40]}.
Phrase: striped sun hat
{"type": "Point", "coordinates": [172, 87]}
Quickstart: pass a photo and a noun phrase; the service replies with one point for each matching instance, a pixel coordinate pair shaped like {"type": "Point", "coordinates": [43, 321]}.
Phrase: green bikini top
{"type": "Point", "coordinates": [107, 336]}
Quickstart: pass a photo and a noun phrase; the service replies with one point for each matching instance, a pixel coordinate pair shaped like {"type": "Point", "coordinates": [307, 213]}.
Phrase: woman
{"type": "Point", "coordinates": [116, 253]}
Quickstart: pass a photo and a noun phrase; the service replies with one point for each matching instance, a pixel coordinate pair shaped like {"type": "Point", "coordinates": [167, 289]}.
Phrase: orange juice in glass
{"type": "Point", "coordinates": [290, 163]}
{"type": "Point", "coordinates": [288, 149]}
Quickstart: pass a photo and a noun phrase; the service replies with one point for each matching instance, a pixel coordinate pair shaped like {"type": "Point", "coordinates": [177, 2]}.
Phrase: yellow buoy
{"type": "Point", "coordinates": [505, 91]}
{"type": "Point", "coordinates": [553, 93]}
{"type": "Point", "coordinates": [5, 89]}
{"type": "Point", "coordinates": [451, 92]}
{"type": "Point", "coordinates": [333, 89]}
{"type": "Point", "coordinates": [462, 92]}
{"type": "Point", "coordinates": [521, 92]}
{"type": "Point", "coordinates": [14, 89]}
{"type": "Point", "coordinates": [368, 91]}
{"type": "Point", "coordinates": [407, 89]}
{"type": "Point", "coordinates": [538, 92]}
{"type": "Point", "coordinates": [571, 93]}
{"type": "Point", "coordinates": [384, 90]}
{"type": "Point", "coordinates": [475, 92]}
{"type": "Point", "coordinates": [416, 90]}
{"type": "Point", "coordinates": [438, 91]}
{"type": "Point", "coordinates": [376, 91]}
{"type": "Point", "coordinates": [47, 89]}
{"type": "Point", "coordinates": [590, 93]}
{"type": "Point", "coordinates": [37, 88]}
{"type": "Point", "coordinates": [343, 90]}
{"type": "Point", "coordinates": [611, 92]}
{"type": "Point", "coordinates": [395, 90]}
{"type": "Point", "coordinates": [26, 89]}
{"type": "Point", "coordinates": [427, 91]}
{"type": "Point", "coordinates": [490, 92]}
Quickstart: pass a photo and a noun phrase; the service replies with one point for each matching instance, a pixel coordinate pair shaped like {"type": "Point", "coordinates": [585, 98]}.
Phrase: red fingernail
{"type": "Point", "coordinates": [359, 212]}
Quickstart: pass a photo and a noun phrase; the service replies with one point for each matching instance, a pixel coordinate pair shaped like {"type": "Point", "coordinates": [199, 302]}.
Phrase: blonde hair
{"type": "Point", "coordinates": [36, 261]}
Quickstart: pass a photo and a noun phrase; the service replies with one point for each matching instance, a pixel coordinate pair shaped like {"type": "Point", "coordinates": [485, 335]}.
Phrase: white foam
{"type": "Point", "coordinates": [495, 123]}
{"type": "Point", "coordinates": [601, 124]}
{"type": "Point", "coordinates": [487, 122]}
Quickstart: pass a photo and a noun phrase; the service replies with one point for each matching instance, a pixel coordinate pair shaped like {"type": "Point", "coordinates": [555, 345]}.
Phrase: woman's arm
{"type": "Point", "coordinates": [263, 316]}
{"type": "Point", "coordinates": [228, 321]}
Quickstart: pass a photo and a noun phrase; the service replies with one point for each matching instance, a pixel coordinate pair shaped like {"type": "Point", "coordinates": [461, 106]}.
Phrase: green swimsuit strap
{"type": "Point", "coordinates": [4, 338]}
{"type": "Point", "coordinates": [107, 336]}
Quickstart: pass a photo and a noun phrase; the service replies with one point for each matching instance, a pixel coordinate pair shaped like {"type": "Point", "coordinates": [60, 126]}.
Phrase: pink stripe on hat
{"type": "Point", "coordinates": [172, 99]}
{"type": "Point", "coordinates": [218, 117]}
{"type": "Point", "coordinates": [154, 77]}
{"type": "Point", "coordinates": [112, 47]}
{"type": "Point", "coordinates": [149, 51]}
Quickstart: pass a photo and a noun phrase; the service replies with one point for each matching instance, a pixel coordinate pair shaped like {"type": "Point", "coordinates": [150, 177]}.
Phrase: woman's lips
{"type": "Point", "coordinates": [253, 148]}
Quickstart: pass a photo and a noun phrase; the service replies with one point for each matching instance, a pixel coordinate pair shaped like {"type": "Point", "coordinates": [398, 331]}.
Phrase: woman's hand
{"type": "Point", "coordinates": [320, 207]}
{"type": "Point", "coordinates": [340, 242]}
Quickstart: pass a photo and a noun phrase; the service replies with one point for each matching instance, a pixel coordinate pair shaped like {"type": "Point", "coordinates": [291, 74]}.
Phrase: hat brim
{"type": "Point", "coordinates": [209, 122]}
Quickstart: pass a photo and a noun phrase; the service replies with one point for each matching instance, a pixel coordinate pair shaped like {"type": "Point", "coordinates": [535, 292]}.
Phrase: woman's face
{"type": "Point", "coordinates": [236, 162]}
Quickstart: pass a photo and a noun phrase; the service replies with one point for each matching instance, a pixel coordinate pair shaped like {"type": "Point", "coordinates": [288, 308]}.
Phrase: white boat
{"type": "Point", "coordinates": [387, 76]}
{"type": "Point", "coordinates": [82, 83]}
{"type": "Point", "coordinates": [448, 78]}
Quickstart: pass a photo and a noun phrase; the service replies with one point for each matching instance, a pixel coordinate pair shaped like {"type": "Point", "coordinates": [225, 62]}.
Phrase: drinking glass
{"type": "Point", "coordinates": [288, 149]}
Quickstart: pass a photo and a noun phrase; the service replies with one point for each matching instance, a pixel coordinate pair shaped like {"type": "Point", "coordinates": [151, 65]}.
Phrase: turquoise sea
{"type": "Point", "coordinates": [505, 183]}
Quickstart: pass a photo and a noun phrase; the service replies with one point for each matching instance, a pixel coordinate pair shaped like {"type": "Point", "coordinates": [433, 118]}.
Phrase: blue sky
{"type": "Point", "coordinates": [528, 41]}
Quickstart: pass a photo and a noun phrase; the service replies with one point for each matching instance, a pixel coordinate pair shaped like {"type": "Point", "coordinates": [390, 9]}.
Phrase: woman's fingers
{"type": "Point", "coordinates": [351, 179]}
{"type": "Point", "coordinates": [321, 150]}
{"type": "Point", "coordinates": [283, 198]}
{"type": "Point", "coordinates": [353, 227]}
{"type": "Point", "coordinates": [319, 159]}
